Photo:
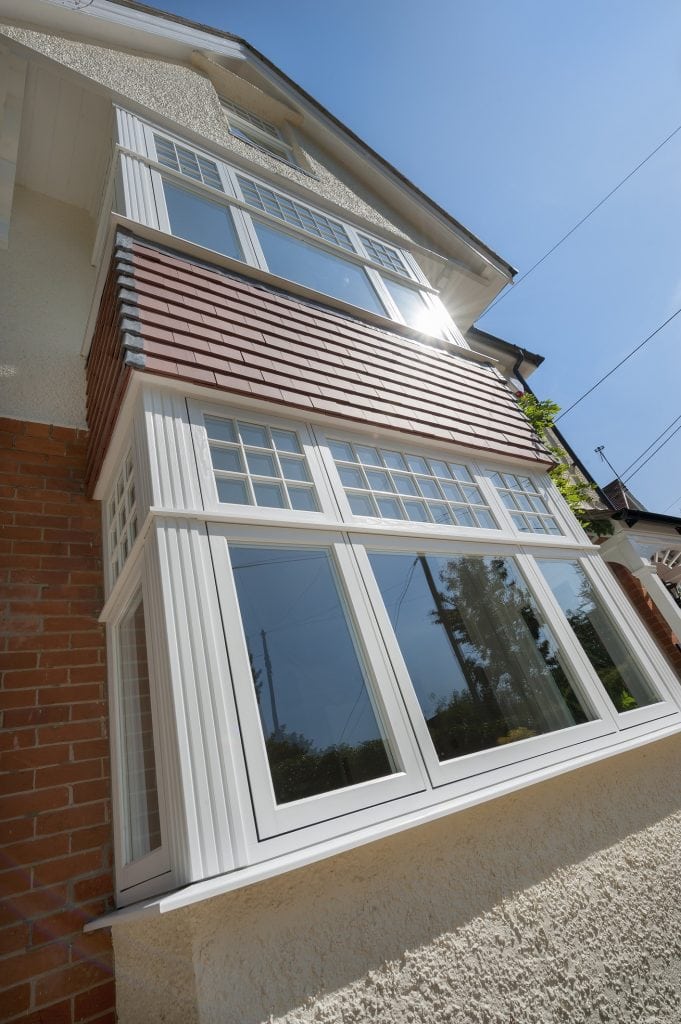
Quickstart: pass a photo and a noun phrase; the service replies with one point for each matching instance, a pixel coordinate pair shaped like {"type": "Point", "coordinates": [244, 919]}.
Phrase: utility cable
{"type": "Point", "coordinates": [523, 277]}
{"type": "Point", "coordinates": [671, 504]}
{"type": "Point", "coordinates": [653, 454]}
{"type": "Point", "coordinates": [645, 452]}
{"type": "Point", "coordinates": [617, 366]}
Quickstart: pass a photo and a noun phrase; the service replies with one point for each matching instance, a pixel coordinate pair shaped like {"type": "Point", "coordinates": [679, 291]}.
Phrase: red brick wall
{"type": "Point", "coordinates": [646, 608]}
{"type": "Point", "coordinates": [55, 863]}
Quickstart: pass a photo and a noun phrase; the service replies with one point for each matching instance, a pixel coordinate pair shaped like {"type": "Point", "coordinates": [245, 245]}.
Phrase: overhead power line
{"type": "Point", "coordinates": [617, 366]}
{"type": "Point", "coordinates": [618, 186]}
{"type": "Point", "coordinates": [653, 454]}
{"type": "Point", "coordinates": [646, 450]}
{"type": "Point", "coordinates": [672, 503]}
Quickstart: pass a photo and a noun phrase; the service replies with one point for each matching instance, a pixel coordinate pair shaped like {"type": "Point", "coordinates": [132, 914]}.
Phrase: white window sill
{"type": "Point", "coordinates": [618, 743]}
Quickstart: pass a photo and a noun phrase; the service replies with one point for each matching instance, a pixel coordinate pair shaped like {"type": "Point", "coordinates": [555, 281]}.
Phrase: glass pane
{"type": "Point", "coordinates": [342, 451]}
{"type": "Point", "coordinates": [416, 510]}
{"type": "Point", "coordinates": [228, 459]}
{"type": "Point", "coordinates": [428, 487]}
{"type": "Point", "coordinates": [303, 499]}
{"type": "Point", "coordinates": [485, 668]}
{"type": "Point", "coordinates": [140, 791]}
{"type": "Point", "coordinates": [319, 723]}
{"type": "Point", "coordinates": [389, 508]}
{"type": "Point", "coordinates": [234, 492]}
{"type": "Point", "coordinates": [379, 480]}
{"type": "Point", "coordinates": [405, 484]}
{"type": "Point", "coordinates": [294, 469]}
{"type": "Point", "coordinates": [361, 504]}
{"type": "Point", "coordinates": [413, 307]}
{"type": "Point", "coordinates": [300, 261]}
{"type": "Point", "coordinates": [351, 477]}
{"type": "Point", "coordinates": [417, 464]}
{"type": "Point", "coordinates": [269, 495]}
{"type": "Point", "coordinates": [623, 680]}
{"type": "Point", "coordinates": [220, 430]}
{"type": "Point", "coordinates": [202, 221]}
{"type": "Point", "coordinates": [439, 468]}
{"type": "Point", "coordinates": [285, 441]}
{"type": "Point", "coordinates": [251, 433]}
{"type": "Point", "coordinates": [369, 456]}
{"type": "Point", "coordinates": [261, 464]}
{"type": "Point", "coordinates": [393, 460]}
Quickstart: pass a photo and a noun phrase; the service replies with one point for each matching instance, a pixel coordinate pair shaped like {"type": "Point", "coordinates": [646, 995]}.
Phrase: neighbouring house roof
{"type": "Point", "coordinates": [620, 497]}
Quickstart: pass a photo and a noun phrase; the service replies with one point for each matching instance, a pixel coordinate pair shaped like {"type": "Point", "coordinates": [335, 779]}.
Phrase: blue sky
{"type": "Point", "coordinates": [517, 118]}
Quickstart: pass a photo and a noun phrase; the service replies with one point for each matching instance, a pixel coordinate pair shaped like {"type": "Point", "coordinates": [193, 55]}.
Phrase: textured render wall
{"type": "Point", "coordinates": [560, 904]}
{"type": "Point", "coordinates": [188, 97]}
{"type": "Point", "coordinates": [46, 284]}
{"type": "Point", "coordinates": [55, 819]}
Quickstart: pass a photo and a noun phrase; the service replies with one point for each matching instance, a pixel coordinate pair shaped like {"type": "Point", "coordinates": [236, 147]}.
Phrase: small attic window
{"type": "Point", "coordinates": [258, 132]}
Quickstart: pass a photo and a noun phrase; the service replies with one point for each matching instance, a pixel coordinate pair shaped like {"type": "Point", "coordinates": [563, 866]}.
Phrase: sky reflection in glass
{"type": "Point", "coordinates": [320, 727]}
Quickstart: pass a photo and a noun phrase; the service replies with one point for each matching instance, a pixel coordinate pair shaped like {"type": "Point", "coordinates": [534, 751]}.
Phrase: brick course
{"type": "Point", "coordinates": [647, 610]}
{"type": "Point", "coordinates": [56, 852]}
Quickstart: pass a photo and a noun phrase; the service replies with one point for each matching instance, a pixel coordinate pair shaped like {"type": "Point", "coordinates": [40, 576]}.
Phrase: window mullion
{"type": "Point", "coordinates": [384, 295]}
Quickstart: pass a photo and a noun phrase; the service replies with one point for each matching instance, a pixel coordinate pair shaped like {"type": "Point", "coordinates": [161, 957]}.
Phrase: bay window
{"type": "Point", "coordinates": [336, 662]}
{"type": "Point", "coordinates": [173, 186]}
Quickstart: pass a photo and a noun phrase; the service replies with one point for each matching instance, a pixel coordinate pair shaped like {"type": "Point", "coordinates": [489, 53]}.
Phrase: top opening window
{"type": "Point", "coordinates": [256, 131]}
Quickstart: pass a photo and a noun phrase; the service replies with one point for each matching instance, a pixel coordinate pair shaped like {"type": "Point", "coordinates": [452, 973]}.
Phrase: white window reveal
{"type": "Point", "coordinates": [121, 518]}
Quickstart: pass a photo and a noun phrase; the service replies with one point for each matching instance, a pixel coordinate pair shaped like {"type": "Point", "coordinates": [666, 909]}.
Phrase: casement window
{"type": "Point", "coordinates": [194, 196]}
{"type": "Point", "coordinates": [326, 658]}
{"type": "Point", "coordinates": [258, 132]}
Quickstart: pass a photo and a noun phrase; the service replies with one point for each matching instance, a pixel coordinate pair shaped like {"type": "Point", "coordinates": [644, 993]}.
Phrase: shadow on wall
{"type": "Point", "coordinates": [548, 905]}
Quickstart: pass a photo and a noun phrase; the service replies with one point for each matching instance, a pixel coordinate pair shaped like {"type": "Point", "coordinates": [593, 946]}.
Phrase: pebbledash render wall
{"type": "Point", "coordinates": [55, 836]}
{"type": "Point", "coordinates": [560, 904]}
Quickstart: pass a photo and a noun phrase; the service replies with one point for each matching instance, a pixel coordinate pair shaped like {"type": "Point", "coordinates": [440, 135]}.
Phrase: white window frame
{"type": "Point", "coordinates": [475, 764]}
{"type": "Point", "coordinates": [271, 818]}
{"type": "Point", "coordinates": [199, 659]}
{"type": "Point", "coordinates": [153, 871]}
{"type": "Point", "coordinates": [147, 179]}
{"type": "Point", "coordinates": [626, 626]}
{"type": "Point", "coordinates": [197, 410]}
{"type": "Point", "coordinates": [275, 145]}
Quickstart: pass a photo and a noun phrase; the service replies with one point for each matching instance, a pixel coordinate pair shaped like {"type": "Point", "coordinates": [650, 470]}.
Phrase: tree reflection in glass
{"type": "Point", "coordinates": [604, 647]}
{"type": "Point", "coordinates": [319, 723]}
{"type": "Point", "coordinates": [485, 668]}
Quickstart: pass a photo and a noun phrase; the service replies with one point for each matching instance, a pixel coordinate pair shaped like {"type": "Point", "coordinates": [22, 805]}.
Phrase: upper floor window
{"type": "Point", "coordinates": [256, 131]}
{"type": "Point", "coordinates": [209, 203]}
